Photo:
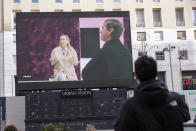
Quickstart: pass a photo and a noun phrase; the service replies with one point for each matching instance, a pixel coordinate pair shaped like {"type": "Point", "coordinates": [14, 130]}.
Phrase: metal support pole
{"type": "Point", "coordinates": [179, 60]}
{"type": "Point", "coordinates": [171, 67]}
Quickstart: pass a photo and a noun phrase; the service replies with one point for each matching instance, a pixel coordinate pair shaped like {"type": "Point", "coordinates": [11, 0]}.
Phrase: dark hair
{"type": "Point", "coordinates": [117, 27]}
{"type": "Point", "coordinates": [10, 128]}
{"type": "Point", "coordinates": [146, 68]}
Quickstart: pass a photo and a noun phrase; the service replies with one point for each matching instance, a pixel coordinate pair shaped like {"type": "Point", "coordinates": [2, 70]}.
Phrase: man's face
{"type": "Point", "coordinates": [105, 33]}
{"type": "Point", "coordinates": [63, 41]}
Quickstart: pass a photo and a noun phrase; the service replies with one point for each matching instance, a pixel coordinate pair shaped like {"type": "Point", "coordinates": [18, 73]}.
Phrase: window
{"type": "Point", "coordinates": [156, 0]}
{"type": "Point", "coordinates": [35, 1]}
{"type": "Point", "coordinates": [16, 1]}
{"type": "Point", "coordinates": [140, 18]}
{"type": "Point", "coordinates": [58, 1]}
{"type": "Point", "coordinates": [139, 1]}
{"type": "Point", "coordinates": [99, 1]}
{"type": "Point", "coordinates": [14, 38]}
{"type": "Point", "coordinates": [180, 17]}
{"type": "Point", "coordinates": [14, 59]}
{"type": "Point", "coordinates": [194, 16]}
{"type": "Point", "coordinates": [183, 54]}
{"type": "Point", "coordinates": [195, 34]}
{"type": "Point", "coordinates": [181, 35]}
{"type": "Point", "coordinates": [188, 80]}
{"type": "Point", "coordinates": [157, 18]}
{"type": "Point", "coordinates": [14, 20]}
{"type": "Point", "coordinates": [141, 36]}
{"type": "Point", "coordinates": [76, 1]}
{"type": "Point", "coordinates": [158, 35]}
{"type": "Point", "coordinates": [160, 55]}
{"type": "Point", "coordinates": [116, 1]}
{"type": "Point", "coordinates": [142, 53]}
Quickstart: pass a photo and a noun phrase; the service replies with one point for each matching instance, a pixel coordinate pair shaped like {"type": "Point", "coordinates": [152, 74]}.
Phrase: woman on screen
{"type": "Point", "coordinates": [64, 58]}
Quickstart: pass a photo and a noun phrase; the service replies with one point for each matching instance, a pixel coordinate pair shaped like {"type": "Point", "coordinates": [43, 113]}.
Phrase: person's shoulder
{"type": "Point", "coordinates": [57, 48]}
{"type": "Point", "coordinates": [72, 49]}
{"type": "Point", "coordinates": [173, 94]}
{"type": "Point", "coordinates": [128, 105]}
{"type": "Point", "coordinates": [121, 46]}
{"type": "Point", "coordinates": [109, 48]}
{"type": "Point", "coordinates": [103, 51]}
{"type": "Point", "coordinates": [129, 101]}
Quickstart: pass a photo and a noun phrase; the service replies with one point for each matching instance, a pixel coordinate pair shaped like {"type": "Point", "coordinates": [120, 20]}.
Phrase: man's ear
{"type": "Point", "coordinates": [157, 75]}
{"type": "Point", "coordinates": [110, 30]}
{"type": "Point", "coordinates": [136, 76]}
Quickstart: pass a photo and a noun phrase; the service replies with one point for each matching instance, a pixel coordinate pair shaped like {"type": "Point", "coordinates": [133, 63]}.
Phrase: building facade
{"type": "Point", "coordinates": [164, 29]}
{"type": "Point", "coordinates": [1, 50]}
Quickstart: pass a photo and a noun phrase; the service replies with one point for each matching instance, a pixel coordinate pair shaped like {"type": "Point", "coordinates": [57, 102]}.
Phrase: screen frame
{"type": "Point", "coordinates": [55, 85]}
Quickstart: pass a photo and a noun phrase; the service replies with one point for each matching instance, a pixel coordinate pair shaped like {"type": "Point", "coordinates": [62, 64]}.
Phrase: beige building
{"type": "Point", "coordinates": [1, 51]}
{"type": "Point", "coordinates": [152, 11]}
{"type": "Point", "coordinates": [156, 25]}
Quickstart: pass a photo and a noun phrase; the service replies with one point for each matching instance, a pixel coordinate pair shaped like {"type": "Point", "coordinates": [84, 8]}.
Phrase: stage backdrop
{"type": "Point", "coordinates": [36, 37]}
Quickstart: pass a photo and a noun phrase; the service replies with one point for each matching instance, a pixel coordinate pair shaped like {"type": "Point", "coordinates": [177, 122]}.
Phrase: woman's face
{"type": "Point", "coordinates": [63, 41]}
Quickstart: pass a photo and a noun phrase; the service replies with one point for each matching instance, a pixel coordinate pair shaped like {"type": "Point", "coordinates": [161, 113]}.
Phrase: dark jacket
{"type": "Point", "coordinates": [153, 108]}
{"type": "Point", "coordinates": [113, 61]}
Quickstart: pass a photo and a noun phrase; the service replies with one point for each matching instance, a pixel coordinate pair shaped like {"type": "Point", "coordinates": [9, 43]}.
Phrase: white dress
{"type": "Point", "coordinates": [64, 67]}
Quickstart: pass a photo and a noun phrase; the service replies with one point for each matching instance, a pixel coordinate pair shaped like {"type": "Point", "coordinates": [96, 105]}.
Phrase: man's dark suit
{"type": "Point", "coordinates": [113, 61]}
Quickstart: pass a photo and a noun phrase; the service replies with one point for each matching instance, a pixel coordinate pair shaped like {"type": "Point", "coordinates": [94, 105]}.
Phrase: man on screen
{"type": "Point", "coordinates": [113, 61]}
{"type": "Point", "coordinates": [153, 107]}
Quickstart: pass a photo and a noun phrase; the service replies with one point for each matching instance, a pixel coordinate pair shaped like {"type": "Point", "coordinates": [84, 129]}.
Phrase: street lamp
{"type": "Point", "coordinates": [169, 50]}
{"type": "Point", "coordinates": [179, 60]}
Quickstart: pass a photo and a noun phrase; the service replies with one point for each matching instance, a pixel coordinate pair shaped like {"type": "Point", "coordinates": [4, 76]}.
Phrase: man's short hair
{"type": "Point", "coordinates": [117, 27]}
{"type": "Point", "coordinates": [146, 68]}
{"type": "Point", "coordinates": [10, 128]}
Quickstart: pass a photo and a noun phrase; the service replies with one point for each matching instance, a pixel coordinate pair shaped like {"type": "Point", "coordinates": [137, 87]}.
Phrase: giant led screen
{"type": "Point", "coordinates": [73, 46]}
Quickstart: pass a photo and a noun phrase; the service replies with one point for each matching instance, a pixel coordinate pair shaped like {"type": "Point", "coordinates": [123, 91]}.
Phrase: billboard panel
{"type": "Point", "coordinates": [58, 46]}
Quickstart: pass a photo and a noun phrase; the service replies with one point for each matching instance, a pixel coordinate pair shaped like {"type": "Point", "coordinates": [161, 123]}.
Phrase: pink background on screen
{"type": "Point", "coordinates": [97, 23]}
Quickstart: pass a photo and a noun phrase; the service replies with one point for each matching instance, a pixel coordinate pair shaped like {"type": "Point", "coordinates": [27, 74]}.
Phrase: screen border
{"type": "Point", "coordinates": [54, 85]}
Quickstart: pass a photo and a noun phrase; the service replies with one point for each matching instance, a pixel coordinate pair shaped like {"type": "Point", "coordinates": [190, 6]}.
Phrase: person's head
{"type": "Point", "coordinates": [10, 128]}
{"type": "Point", "coordinates": [111, 29]}
{"type": "Point", "coordinates": [145, 68]}
{"type": "Point", "coordinates": [64, 41]}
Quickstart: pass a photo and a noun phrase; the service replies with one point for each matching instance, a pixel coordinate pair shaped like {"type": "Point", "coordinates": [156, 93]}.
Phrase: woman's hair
{"type": "Point", "coordinates": [69, 45]}
{"type": "Point", "coordinates": [10, 128]}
